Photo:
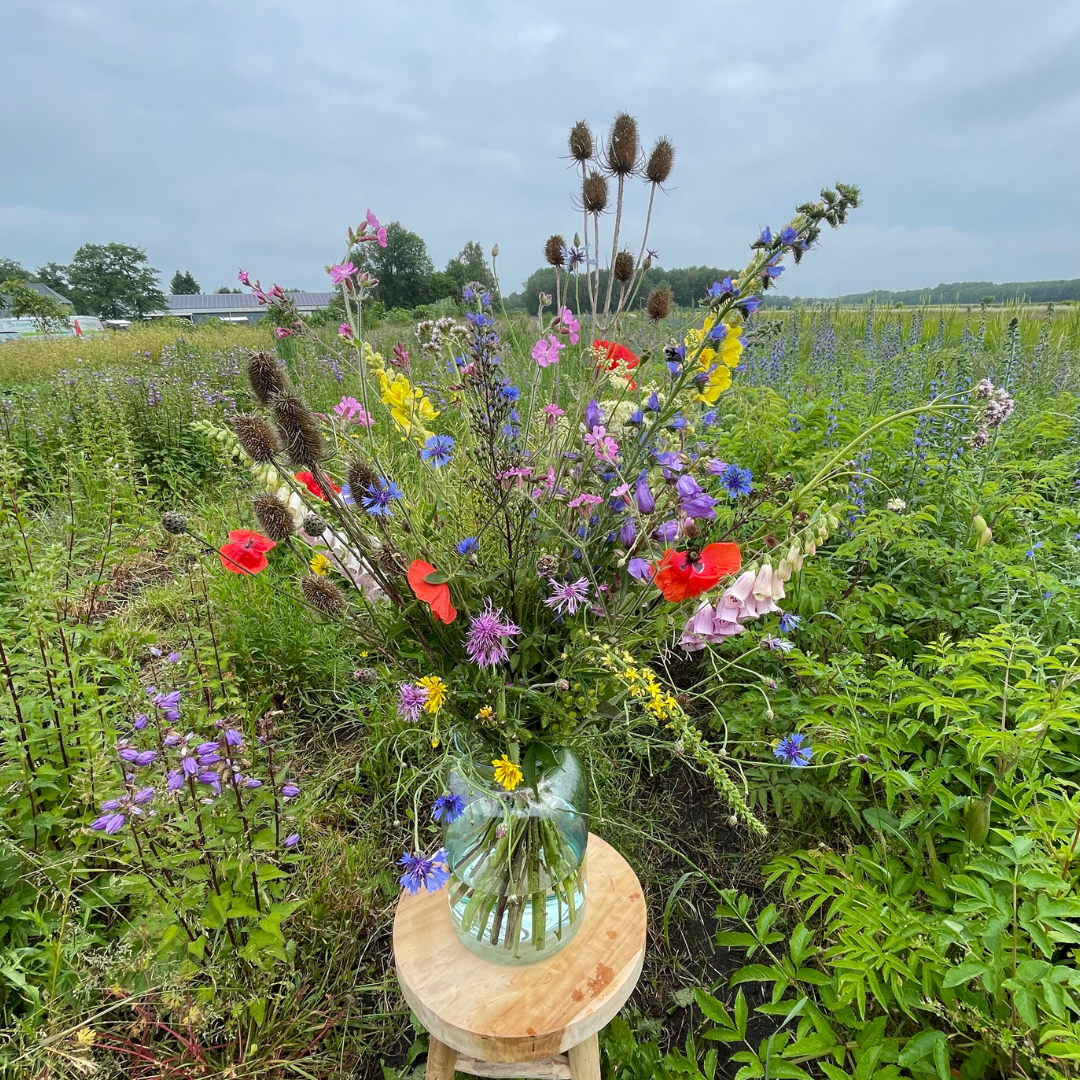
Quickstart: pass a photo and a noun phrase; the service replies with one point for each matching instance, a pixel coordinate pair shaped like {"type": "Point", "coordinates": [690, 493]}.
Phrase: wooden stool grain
{"type": "Point", "coordinates": [489, 1020]}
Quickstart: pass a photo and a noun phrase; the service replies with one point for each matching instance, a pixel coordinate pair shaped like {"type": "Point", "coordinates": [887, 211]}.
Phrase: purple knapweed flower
{"type": "Point", "coordinates": [567, 598]}
{"type": "Point", "coordinates": [486, 642]}
{"type": "Point", "coordinates": [411, 701]}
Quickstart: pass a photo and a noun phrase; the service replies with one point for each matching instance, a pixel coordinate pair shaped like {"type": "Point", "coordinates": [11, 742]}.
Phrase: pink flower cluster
{"type": "Point", "coordinates": [751, 596]}
{"type": "Point", "coordinates": [604, 446]}
{"type": "Point", "coordinates": [546, 350]}
{"type": "Point", "coordinates": [351, 411]}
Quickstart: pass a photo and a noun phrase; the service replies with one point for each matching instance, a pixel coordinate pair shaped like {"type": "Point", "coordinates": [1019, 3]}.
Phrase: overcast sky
{"type": "Point", "coordinates": [220, 135]}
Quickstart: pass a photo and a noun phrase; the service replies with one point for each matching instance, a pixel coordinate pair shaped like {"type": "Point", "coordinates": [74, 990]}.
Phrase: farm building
{"type": "Point", "coordinates": [41, 290]}
{"type": "Point", "coordinates": [236, 307]}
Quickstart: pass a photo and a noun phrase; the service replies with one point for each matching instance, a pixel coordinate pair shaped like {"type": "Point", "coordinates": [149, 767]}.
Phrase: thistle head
{"type": "Point", "coordinates": [266, 376]}
{"type": "Point", "coordinates": [581, 142]}
{"type": "Point", "coordinates": [594, 193]}
{"type": "Point", "coordinates": [298, 428]}
{"type": "Point", "coordinates": [172, 521]}
{"type": "Point", "coordinates": [553, 250]}
{"type": "Point", "coordinates": [658, 306]}
{"type": "Point", "coordinates": [658, 167]}
{"type": "Point", "coordinates": [622, 145]}
{"type": "Point", "coordinates": [273, 517]}
{"type": "Point", "coordinates": [257, 438]}
{"type": "Point", "coordinates": [324, 596]}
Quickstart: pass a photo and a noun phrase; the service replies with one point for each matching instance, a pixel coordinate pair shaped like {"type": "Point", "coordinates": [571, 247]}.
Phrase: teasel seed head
{"type": "Point", "coordinates": [174, 522]}
{"type": "Point", "coordinates": [314, 525]}
{"type": "Point", "coordinates": [266, 376]}
{"type": "Point", "coordinates": [624, 267]}
{"type": "Point", "coordinates": [658, 305]}
{"type": "Point", "coordinates": [324, 596]}
{"type": "Point", "coordinates": [273, 516]}
{"type": "Point", "coordinates": [553, 250]}
{"type": "Point", "coordinates": [257, 438]}
{"type": "Point", "coordinates": [581, 141]}
{"type": "Point", "coordinates": [360, 476]}
{"type": "Point", "coordinates": [622, 145]}
{"type": "Point", "coordinates": [594, 193]}
{"type": "Point", "coordinates": [389, 560]}
{"type": "Point", "coordinates": [298, 428]}
{"type": "Point", "coordinates": [658, 167]}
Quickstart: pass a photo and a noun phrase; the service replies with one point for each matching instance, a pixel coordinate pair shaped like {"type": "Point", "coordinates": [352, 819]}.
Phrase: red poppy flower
{"type": "Point", "coordinates": [682, 575]}
{"type": "Point", "coordinates": [619, 357]}
{"type": "Point", "coordinates": [243, 554]}
{"type": "Point", "coordinates": [308, 481]}
{"type": "Point", "coordinates": [436, 595]}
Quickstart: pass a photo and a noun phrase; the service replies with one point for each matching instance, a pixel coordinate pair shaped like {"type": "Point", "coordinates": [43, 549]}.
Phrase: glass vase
{"type": "Point", "coordinates": [517, 861]}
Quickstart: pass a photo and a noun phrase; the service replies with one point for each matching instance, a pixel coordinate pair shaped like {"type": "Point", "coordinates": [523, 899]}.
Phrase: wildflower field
{"type": "Point", "coordinates": [855, 819]}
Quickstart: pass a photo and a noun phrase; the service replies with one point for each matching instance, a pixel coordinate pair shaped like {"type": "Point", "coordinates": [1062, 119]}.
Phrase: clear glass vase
{"type": "Point", "coordinates": [517, 861]}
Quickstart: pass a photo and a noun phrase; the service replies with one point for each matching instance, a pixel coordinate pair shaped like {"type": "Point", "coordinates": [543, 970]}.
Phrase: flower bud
{"type": "Point", "coordinates": [494, 251]}
{"type": "Point", "coordinates": [984, 538]}
{"type": "Point", "coordinates": [978, 523]}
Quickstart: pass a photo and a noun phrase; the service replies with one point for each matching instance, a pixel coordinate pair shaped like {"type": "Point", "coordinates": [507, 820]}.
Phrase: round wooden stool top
{"type": "Point", "coordinates": [533, 1011]}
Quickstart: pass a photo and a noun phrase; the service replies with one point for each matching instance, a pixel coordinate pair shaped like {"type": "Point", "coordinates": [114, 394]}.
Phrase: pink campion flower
{"type": "Point", "coordinates": [277, 291]}
{"type": "Point", "coordinates": [569, 325]}
{"type": "Point", "coordinates": [552, 413]}
{"type": "Point", "coordinates": [243, 278]}
{"type": "Point", "coordinates": [259, 294]}
{"type": "Point", "coordinates": [372, 220]}
{"type": "Point", "coordinates": [584, 503]}
{"type": "Point", "coordinates": [282, 332]}
{"type": "Point", "coordinates": [346, 407]}
{"type": "Point", "coordinates": [340, 272]}
{"type": "Point", "coordinates": [546, 350]}
{"type": "Point", "coordinates": [345, 330]}
{"type": "Point", "coordinates": [547, 484]}
{"type": "Point", "coordinates": [380, 236]}
{"type": "Point", "coordinates": [604, 446]}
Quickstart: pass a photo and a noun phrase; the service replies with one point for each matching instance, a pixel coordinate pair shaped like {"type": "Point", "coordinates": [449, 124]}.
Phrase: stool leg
{"type": "Point", "coordinates": [585, 1059]}
{"type": "Point", "coordinates": [441, 1060]}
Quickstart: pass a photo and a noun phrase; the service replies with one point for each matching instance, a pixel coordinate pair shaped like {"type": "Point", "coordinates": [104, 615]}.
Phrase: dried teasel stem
{"type": "Point", "coordinates": [622, 151]}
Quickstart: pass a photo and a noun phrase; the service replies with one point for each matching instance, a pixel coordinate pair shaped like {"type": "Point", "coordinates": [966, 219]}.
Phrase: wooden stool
{"type": "Point", "coordinates": [484, 1018]}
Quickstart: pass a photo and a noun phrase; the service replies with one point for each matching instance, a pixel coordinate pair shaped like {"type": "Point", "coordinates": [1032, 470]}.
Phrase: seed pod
{"type": "Point", "coordinates": [622, 147]}
{"type": "Point", "coordinates": [658, 305]}
{"type": "Point", "coordinates": [324, 596]}
{"type": "Point", "coordinates": [174, 522]}
{"type": "Point", "coordinates": [594, 193]}
{"type": "Point", "coordinates": [984, 537]}
{"type": "Point", "coordinates": [553, 250]}
{"type": "Point", "coordinates": [360, 476]}
{"type": "Point", "coordinates": [257, 438]}
{"type": "Point", "coordinates": [314, 525]}
{"type": "Point", "coordinates": [978, 523]}
{"type": "Point", "coordinates": [976, 820]}
{"type": "Point", "coordinates": [298, 428]}
{"type": "Point", "coordinates": [266, 376]}
{"type": "Point", "coordinates": [273, 516]}
{"type": "Point", "coordinates": [581, 141]}
{"type": "Point", "coordinates": [389, 559]}
{"type": "Point", "coordinates": [658, 167]}
{"type": "Point", "coordinates": [547, 564]}
{"type": "Point", "coordinates": [624, 267]}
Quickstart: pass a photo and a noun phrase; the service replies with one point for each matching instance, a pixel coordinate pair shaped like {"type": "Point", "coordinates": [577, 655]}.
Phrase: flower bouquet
{"type": "Point", "coordinates": [501, 518]}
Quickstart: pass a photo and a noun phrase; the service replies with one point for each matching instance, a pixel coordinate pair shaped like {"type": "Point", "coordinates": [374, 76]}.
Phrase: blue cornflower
{"type": "Point", "coordinates": [421, 870]}
{"type": "Point", "coordinates": [788, 235]}
{"type": "Point", "coordinates": [437, 449]}
{"type": "Point", "coordinates": [448, 808]}
{"type": "Point", "coordinates": [789, 622]}
{"type": "Point", "coordinates": [377, 500]}
{"type": "Point", "coordinates": [470, 543]}
{"type": "Point", "coordinates": [736, 481]}
{"type": "Point", "coordinates": [791, 750]}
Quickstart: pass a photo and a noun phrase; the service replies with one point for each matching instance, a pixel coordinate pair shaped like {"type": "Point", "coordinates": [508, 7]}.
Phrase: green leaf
{"type": "Point", "coordinates": [436, 577]}
{"type": "Point", "coordinates": [712, 1008]}
{"type": "Point", "coordinates": [920, 1046]}
{"type": "Point", "coordinates": [800, 944]}
{"type": "Point", "coordinates": [964, 973]}
{"type": "Point", "coordinates": [741, 1013]}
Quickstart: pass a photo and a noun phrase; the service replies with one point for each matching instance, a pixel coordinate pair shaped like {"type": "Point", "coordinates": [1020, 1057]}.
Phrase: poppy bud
{"type": "Point", "coordinates": [978, 523]}
{"type": "Point", "coordinates": [314, 525]}
{"type": "Point", "coordinates": [494, 251]}
{"type": "Point", "coordinates": [984, 538]}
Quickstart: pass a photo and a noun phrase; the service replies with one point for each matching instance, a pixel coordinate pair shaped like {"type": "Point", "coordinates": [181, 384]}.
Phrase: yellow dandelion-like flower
{"type": "Point", "coordinates": [320, 564]}
{"type": "Point", "coordinates": [486, 714]}
{"type": "Point", "coordinates": [507, 773]}
{"type": "Point", "coordinates": [434, 742]}
{"type": "Point", "coordinates": [437, 692]}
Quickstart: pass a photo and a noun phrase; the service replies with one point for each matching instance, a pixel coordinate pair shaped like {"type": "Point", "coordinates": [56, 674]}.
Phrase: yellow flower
{"type": "Point", "coordinates": [434, 742]}
{"type": "Point", "coordinates": [486, 714]}
{"type": "Point", "coordinates": [716, 361]}
{"type": "Point", "coordinates": [410, 407]}
{"type": "Point", "coordinates": [437, 691]}
{"type": "Point", "coordinates": [320, 564]}
{"type": "Point", "coordinates": [507, 773]}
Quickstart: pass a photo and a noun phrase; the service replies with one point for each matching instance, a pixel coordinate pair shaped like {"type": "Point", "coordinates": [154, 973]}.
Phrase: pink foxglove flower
{"type": "Point", "coordinates": [705, 628]}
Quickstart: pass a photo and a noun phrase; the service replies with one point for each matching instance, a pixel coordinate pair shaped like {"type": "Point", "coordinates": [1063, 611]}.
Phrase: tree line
{"type": "Point", "coordinates": [957, 292]}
